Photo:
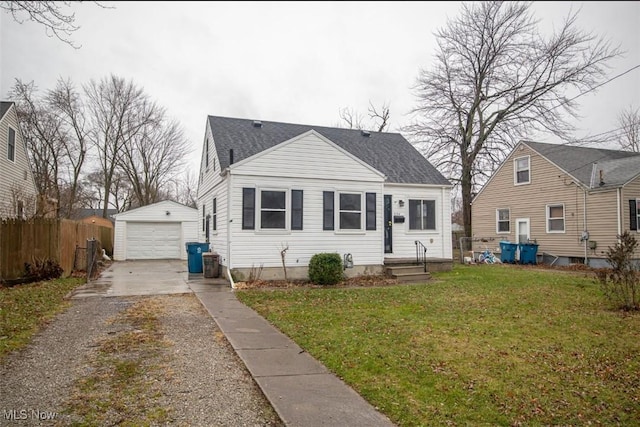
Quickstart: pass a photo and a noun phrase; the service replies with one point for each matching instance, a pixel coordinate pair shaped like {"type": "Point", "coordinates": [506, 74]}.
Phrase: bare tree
{"type": "Point", "coordinates": [495, 80]}
{"type": "Point", "coordinates": [185, 189]}
{"type": "Point", "coordinates": [120, 111]}
{"type": "Point", "coordinates": [629, 121]}
{"type": "Point", "coordinates": [55, 16]}
{"type": "Point", "coordinates": [351, 119]}
{"type": "Point", "coordinates": [153, 158]}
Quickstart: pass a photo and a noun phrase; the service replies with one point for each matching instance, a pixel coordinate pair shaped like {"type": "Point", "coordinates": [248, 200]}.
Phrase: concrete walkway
{"type": "Point", "coordinates": [301, 390]}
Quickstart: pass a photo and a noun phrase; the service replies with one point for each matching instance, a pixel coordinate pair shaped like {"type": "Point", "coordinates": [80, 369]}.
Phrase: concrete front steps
{"type": "Point", "coordinates": [408, 271]}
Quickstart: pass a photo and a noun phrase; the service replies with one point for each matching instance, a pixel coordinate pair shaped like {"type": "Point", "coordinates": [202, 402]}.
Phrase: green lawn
{"type": "Point", "coordinates": [25, 308]}
{"type": "Point", "coordinates": [480, 345]}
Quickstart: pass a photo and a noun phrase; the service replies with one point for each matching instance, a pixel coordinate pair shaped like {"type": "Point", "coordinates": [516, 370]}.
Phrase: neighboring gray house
{"type": "Point", "coordinates": [572, 201]}
{"type": "Point", "coordinates": [18, 194]}
{"type": "Point", "coordinates": [266, 186]}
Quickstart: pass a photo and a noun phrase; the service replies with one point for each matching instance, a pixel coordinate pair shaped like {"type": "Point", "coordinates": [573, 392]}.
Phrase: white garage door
{"type": "Point", "coordinates": [153, 240]}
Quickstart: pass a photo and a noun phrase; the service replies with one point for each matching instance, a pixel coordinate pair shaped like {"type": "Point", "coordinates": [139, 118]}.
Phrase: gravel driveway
{"type": "Point", "coordinates": [206, 383]}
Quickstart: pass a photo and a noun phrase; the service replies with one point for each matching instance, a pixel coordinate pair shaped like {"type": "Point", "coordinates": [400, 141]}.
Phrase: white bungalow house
{"type": "Point", "coordinates": [271, 193]}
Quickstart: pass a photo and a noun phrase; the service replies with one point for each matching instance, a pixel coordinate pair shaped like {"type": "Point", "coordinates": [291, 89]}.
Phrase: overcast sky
{"type": "Point", "coordinates": [296, 62]}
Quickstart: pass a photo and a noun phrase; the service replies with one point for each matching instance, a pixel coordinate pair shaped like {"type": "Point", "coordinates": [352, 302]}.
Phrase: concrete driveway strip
{"type": "Point", "coordinates": [301, 390]}
{"type": "Point", "coordinates": [143, 277]}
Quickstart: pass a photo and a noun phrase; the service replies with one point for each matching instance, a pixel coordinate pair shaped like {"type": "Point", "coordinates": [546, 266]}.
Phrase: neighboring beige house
{"type": "Point", "coordinates": [572, 201]}
{"type": "Point", "coordinates": [18, 194]}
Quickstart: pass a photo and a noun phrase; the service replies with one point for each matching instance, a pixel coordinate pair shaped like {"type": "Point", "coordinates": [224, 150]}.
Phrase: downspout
{"type": "Point", "coordinates": [233, 284]}
{"type": "Point", "coordinates": [586, 241]}
{"type": "Point", "coordinates": [619, 197]}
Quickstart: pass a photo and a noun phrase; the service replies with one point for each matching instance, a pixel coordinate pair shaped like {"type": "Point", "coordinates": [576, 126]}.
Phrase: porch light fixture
{"type": "Point", "coordinates": [401, 203]}
{"type": "Point", "coordinates": [167, 213]}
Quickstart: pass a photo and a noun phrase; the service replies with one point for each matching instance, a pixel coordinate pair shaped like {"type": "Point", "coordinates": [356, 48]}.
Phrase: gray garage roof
{"type": "Point", "coordinates": [389, 153]}
{"type": "Point", "coordinates": [584, 163]}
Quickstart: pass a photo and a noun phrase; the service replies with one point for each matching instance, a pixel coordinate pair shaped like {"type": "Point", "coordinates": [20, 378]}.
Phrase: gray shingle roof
{"type": "Point", "coordinates": [616, 173]}
{"type": "Point", "coordinates": [578, 161]}
{"type": "Point", "coordinates": [4, 107]}
{"type": "Point", "coordinates": [389, 153]}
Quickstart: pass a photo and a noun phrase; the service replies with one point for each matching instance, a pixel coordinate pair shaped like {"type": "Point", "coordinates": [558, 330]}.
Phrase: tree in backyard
{"type": "Point", "coordinates": [184, 189]}
{"type": "Point", "coordinates": [120, 112]}
{"type": "Point", "coordinates": [379, 117]}
{"type": "Point", "coordinates": [55, 128]}
{"type": "Point", "coordinates": [629, 137]}
{"type": "Point", "coordinates": [496, 79]}
{"type": "Point", "coordinates": [153, 158]}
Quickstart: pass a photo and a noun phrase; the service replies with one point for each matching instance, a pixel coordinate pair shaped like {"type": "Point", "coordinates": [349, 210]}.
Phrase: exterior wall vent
{"type": "Point", "coordinates": [257, 124]}
{"type": "Point", "coordinates": [365, 133]}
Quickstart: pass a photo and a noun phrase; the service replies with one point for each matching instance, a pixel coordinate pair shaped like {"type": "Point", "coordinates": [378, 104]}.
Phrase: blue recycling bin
{"type": "Point", "coordinates": [508, 252]}
{"type": "Point", "coordinates": [528, 253]}
{"type": "Point", "coordinates": [194, 255]}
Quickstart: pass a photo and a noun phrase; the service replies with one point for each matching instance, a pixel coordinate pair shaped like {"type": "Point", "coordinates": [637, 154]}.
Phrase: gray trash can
{"type": "Point", "coordinates": [211, 264]}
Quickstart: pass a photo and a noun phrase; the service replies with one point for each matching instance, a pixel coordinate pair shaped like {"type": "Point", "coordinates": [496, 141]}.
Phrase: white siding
{"type": "Point", "coordinates": [261, 247]}
{"type": "Point", "coordinates": [16, 179]}
{"type": "Point", "coordinates": [438, 241]}
{"type": "Point", "coordinates": [307, 156]}
{"type": "Point", "coordinates": [156, 213]}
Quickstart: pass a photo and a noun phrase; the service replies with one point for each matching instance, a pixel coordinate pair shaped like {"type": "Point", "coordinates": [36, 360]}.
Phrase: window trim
{"type": "Point", "coordinates": [9, 145]}
{"type": "Point", "coordinates": [286, 210]}
{"type": "Point", "coordinates": [360, 212]}
{"type": "Point", "coordinates": [435, 216]}
{"type": "Point", "coordinates": [498, 221]}
{"type": "Point", "coordinates": [549, 218]}
{"type": "Point", "coordinates": [515, 170]}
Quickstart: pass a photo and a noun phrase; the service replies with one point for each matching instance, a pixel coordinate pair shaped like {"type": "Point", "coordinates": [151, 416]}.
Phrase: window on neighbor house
{"type": "Point", "coordinates": [521, 170]}
{"type": "Point", "coordinates": [422, 214]}
{"type": "Point", "coordinates": [503, 223]}
{"type": "Point", "coordinates": [555, 218]}
{"type": "Point", "coordinates": [214, 215]}
{"type": "Point", "coordinates": [206, 154]}
{"type": "Point", "coordinates": [11, 147]}
{"type": "Point", "coordinates": [203, 219]}
{"type": "Point", "coordinates": [634, 214]}
{"type": "Point", "coordinates": [20, 210]}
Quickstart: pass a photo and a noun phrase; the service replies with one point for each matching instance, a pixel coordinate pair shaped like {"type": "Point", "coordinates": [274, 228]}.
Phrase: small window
{"type": "Point", "coordinates": [273, 209]}
{"type": "Point", "coordinates": [555, 218]}
{"type": "Point", "coordinates": [521, 170]}
{"type": "Point", "coordinates": [350, 211]}
{"type": "Point", "coordinates": [214, 215]}
{"type": "Point", "coordinates": [296, 209]}
{"type": "Point", "coordinates": [11, 148]}
{"type": "Point", "coordinates": [422, 214]}
{"type": "Point", "coordinates": [503, 223]}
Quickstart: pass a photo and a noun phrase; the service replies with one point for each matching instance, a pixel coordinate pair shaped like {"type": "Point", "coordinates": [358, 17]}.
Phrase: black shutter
{"type": "Point", "coordinates": [327, 208]}
{"type": "Point", "coordinates": [371, 211]}
{"type": "Point", "coordinates": [248, 208]}
{"type": "Point", "coordinates": [430, 205]}
{"type": "Point", "coordinates": [633, 215]}
{"type": "Point", "coordinates": [296, 209]}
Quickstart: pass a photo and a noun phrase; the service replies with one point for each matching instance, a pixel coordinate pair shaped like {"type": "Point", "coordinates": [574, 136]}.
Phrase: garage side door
{"type": "Point", "coordinates": [154, 240]}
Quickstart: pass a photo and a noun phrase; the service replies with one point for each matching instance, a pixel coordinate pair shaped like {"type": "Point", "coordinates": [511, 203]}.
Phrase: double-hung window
{"type": "Point", "coordinates": [275, 209]}
{"type": "Point", "coordinates": [353, 211]}
{"type": "Point", "coordinates": [555, 218]}
{"type": "Point", "coordinates": [521, 170]}
{"type": "Point", "coordinates": [422, 214]}
{"type": "Point", "coordinates": [350, 211]}
{"type": "Point", "coordinates": [503, 223]}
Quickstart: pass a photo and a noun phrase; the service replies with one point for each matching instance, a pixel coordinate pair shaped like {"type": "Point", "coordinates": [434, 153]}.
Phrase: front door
{"type": "Point", "coordinates": [388, 225]}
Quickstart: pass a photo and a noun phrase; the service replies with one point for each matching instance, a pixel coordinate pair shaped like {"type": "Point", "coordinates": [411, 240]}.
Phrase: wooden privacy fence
{"type": "Point", "coordinates": [26, 241]}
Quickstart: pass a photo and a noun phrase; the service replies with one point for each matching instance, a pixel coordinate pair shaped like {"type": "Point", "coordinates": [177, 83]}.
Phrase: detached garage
{"type": "Point", "coordinates": [157, 231]}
